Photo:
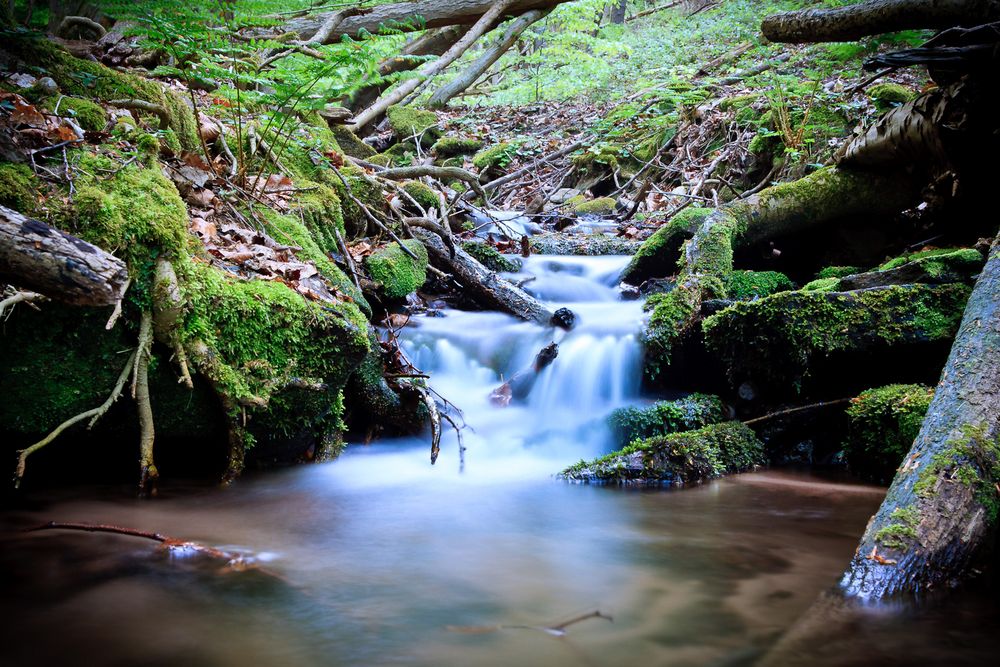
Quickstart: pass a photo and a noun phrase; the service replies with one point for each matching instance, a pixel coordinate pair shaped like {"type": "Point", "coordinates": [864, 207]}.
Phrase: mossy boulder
{"type": "Point", "coordinates": [664, 417]}
{"type": "Point", "coordinates": [495, 159]}
{"type": "Point", "coordinates": [678, 458]}
{"type": "Point", "coordinates": [822, 285]}
{"type": "Point", "coordinates": [411, 124]}
{"type": "Point", "coordinates": [887, 95]}
{"type": "Point", "coordinates": [775, 342]}
{"type": "Point", "coordinates": [746, 285]}
{"type": "Point", "coordinates": [423, 194]}
{"type": "Point", "coordinates": [882, 425]}
{"type": "Point", "coordinates": [837, 272]}
{"type": "Point", "coordinates": [599, 206]}
{"type": "Point", "coordinates": [397, 273]}
{"type": "Point", "coordinates": [90, 115]}
{"type": "Point", "coordinates": [490, 257]}
{"type": "Point", "coordinates": [19, 188]}
{"type": "Point", "coordinates": [658, 255]}
{"type": "Point", "coordinates": [453, 146]}
{"type": "Point", "coordinates": [350, 143]}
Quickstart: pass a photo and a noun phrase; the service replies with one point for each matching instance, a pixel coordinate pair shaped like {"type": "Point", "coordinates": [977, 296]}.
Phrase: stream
{"type": "Point", "coordinates": [381, 559]}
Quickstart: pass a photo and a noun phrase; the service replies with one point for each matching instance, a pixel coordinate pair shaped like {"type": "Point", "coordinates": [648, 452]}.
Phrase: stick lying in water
{"type": "Point", "coordinates": [558, 630]}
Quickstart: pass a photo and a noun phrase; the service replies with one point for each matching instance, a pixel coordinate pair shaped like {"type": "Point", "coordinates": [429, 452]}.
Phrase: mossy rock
{"type": "Point", "coordinates": [822, 285]}
{"type": "Point", "coordinates": [837, 272]}
{"type": "Point", "coordinates": [599, 206]}
{"type": "Point", "coordinates": [658, 255]}
{"type": "Point", "coordinates": [90, 115]}
{"type": "Point", "coordinates": [397, 155]}
{"type": "Point", "coordinates": [453, 146]}
{"type": "Point", "coordinates": [746, 285]}
{"type": "Point", "coordinates": [423, 194]}
{"type": "Point", "coordinates": [19, 188]}
{"type": "Point", "coordinates": [664, 417]}
{"type": "Point", "coordinates": [774, 342]}
{"type": "Point", "coordinates": [490, 257]}
{"type": "Point", "coordinates": [888, 95]}
{"type": "Point", "coordinates": [397, 273]}
{"type": "Point", "coordinates": [882, 425]}
{"type": "Point", "coordinates": [90, 80]}
{"type": "Point", "coordinates": [496, 158]}
{"type": "Point", "coordinates": [351, 144]}
{"type": "Point", "coordinates": [678, 458]}
{"type": "Point", "coordinates": [584, 245]}
{"type": "Point", "coordinates": [409, 124]}
{"type": "Point", "coordinates": [943, 255]}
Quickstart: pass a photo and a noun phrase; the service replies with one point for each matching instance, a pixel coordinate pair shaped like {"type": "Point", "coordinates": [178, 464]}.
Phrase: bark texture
{"type": "Point", "coordinates": [941, 511]}
{"type": "Point", "coordinates": [403, 15]}
{"type": "Point", "coordinates": [37, 257]}
{"type": "Point", "coordinates": [842, 24]}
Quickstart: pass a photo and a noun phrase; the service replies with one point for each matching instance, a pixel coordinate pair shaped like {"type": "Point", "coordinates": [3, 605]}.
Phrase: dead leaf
{"type": "Point", "coordinates": [26, 114]}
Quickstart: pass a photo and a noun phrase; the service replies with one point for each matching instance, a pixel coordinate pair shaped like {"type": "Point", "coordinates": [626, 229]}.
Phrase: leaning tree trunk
{"type": "Point", "coordinates": [841, 24]}
{"type": "Point", "coordinates": [468, 77]}
{"type": "Point", "coordinates": [431, 43]}
{"type": "Point", "coordinates": [430, 69]}
{"type": "Point", "coordinates": [403, 16]}
{"type": "Point", "coordinates": [940, 513]}
{"type": "Point", "coordinates": [43, 259]}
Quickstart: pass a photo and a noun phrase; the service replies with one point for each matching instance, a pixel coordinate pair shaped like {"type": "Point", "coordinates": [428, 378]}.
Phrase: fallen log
{"type": "Point", "coordinates": [413, 16]}
{"type": "Point", "coordinates": [874, 17]}
{"type": "Point", "coordinates": [521, 383]}
{"type": "Point", "coordinates": [485, 286]}
{"type": "Point", "coordinates": [43, 259]}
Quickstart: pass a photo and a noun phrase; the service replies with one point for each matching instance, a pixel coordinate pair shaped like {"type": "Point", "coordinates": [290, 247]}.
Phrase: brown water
{"type": "Point", "coordinates": [375, 575]}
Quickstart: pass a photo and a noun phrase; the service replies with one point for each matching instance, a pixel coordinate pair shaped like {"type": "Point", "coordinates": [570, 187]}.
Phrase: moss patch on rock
{"type": "Point", "coordinates": [452, 146]}
{"type": "Point", "coordinates": [679, 458]}
{"type": "Point", "coordinates": [664, 417]}
{"type": "Point", "coordinates": [837, 272]}
{"type": "Point", "coordinates": [409, 124]}
{"type": "Point", "coordinates": [746, 285]}
{"type": "Point", "coordinates": [495, 158]}
{"type": "Point", "coordinates": [887, 95]}
{"type": "Point", "coordinates": [599, 206]}
{"type": "Point", "coordinates": [350, 143]}
{"type": "Point", "coordinates": [882, 425]}
{"type": "Point", "coordinates": [90, 115]}
{"type": "Point", "coordinates": [18, 188]}
{"type": "Point", "coordinates": [490, 257]}
{"type": "Point", "coordinates": [397, 273]}
{"type": "Point", "coordinates": [423, 194]}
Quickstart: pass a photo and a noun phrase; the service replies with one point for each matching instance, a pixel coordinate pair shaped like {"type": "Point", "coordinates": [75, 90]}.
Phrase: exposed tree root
{"type": "Point", "coordinates": [19, 297]}
{"type": "Point", "coordinates": [148, 107]}
{"type": "Point", "coordinates": [148, 473]}
{"type": "Point", "coordinates": [70, 22]}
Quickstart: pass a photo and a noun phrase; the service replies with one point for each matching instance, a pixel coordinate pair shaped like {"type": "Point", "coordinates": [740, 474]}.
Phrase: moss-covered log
{"type": "Point", "coordinates": [679, 458]}
{"type": "Point", "coordinates": [939, 517]}
{"type": "Point", "coordinates": [658, 255]}
{"type": "Point", "coordinates": [774, 343]}
{"type": "Point", "coordinates": [933, 267]}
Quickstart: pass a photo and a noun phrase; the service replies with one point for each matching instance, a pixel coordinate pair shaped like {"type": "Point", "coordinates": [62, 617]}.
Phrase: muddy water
{"type": "Point", "coordinates": [380, 559]}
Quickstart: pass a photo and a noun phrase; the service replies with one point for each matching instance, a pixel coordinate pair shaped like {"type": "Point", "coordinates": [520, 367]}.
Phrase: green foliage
{"type": "Point", "coordinates": [396, 272]}
{"type": "Point", "coordinates": [664, 417]}
{"type": "Point", "coordinates": [964, 255]}
{"type": "Point", "coordinates": [882, 424]}
{"type": "Point", "coordinates": [744, 285]}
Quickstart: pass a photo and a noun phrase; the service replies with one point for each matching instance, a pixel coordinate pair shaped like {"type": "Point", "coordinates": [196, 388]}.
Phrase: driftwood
{"type": "Point", "coordinates": [483, 285]}
{"type": "Point", "coordinates": [43, 259]}
{"type": "Point", "coordinates": [842, 24]}
{"type": "Point", "coordinates": [521, 383]}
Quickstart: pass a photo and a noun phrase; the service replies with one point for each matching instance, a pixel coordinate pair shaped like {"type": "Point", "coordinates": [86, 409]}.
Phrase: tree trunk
{"type": "Point", "coordinates": [618, 12]}
{"type": "Point", "coordinates": [402, 15]}
{"type": "Point", "coordinates": [430, 69]}
{"type": "Point", "coordinates": [940, 513]}
{"type": "Point", "coordinates": [43, 259]}
{"type": "Point", "coordinates": [431, 43]}
{"type": "Point", "coordinates": [842, 24]}
{"type": "Point", "coordinates": [457, 85]}
{"type": "Point", "coordinates": [486, 287]}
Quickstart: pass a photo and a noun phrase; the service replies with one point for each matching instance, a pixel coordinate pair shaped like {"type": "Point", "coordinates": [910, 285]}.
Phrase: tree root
{"type": "Point", "coordinates": [435, 418]}
{"type": "Point", "coordinates": [148, 474]}
{"type": "Point", "coordinates": [94, 414]}
{"type": "Point", "coordinates": [19, 297]}
{"type": "Point", "coordinates": [148, 107]}
{"type": "Point", "coordinates": [440, 173]}
{"type": "Point", "coordinates": [70, 22]}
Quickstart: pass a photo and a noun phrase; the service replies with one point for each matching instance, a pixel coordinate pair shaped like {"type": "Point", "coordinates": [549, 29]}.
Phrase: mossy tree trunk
{"type": "Point", "coordinates": [940, 513]}
{"type": "Point", "coordinates": [873, 17]}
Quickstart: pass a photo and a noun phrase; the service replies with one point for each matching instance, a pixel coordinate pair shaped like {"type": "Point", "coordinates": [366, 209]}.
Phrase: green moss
{"type": "Point", "coordinates": [664, 417]}
{"type": "Point", "coordinates": [599, 206]}
{"type": "Point", "coordinates": [662, 333]}
{"type": "Point", "coordinates": [787, 331]}
{"type": "Point", "coordinates": [320, 209]}
{"type": "Point", "coordinates": [837, 272]}
{"type": "Point", "coordinates": [454, 162]}
{"type": "Point", "coordinates": [936, 263]}
{"type": "Point", "coordinates": [423, 194]}
{"type": "Point", "coordinates": [409, 123]}
{"type": "Point", "coordinates": [882, 425]}
{"type": "Point", "coordinates": [490, 257]}
{"type": "Point", "coordinates": [89, 115]}
{"type": "Point", "coordinates": [971, 458]}
{"type": "Point", "coordinates": [902, 531]}
{"type": "Point", "coordinates": [678, 458]}
{"type": "Point", "coordinates": [351, 144]}
{"type": "Point", "coordinates": [822, 285]}
{"type": "Point", "coordinates": [495, 157]}
{"type": "Point", "coordinates": [658, 255]}
{"type": "Point", "coordinates": [91, 80]}
{"type": "Point", "coordinates": [888, 95]}
{"type": "Point", "coordinates": [396, 272]}
{"type": "Point", "coordinates": [452, 146]}
{"type": "Point", "coordinates": [398, 155]}
{"type": "Point", "coordinates": [743, 285]}
{"type": "Point", "coordinates": [18, 188]}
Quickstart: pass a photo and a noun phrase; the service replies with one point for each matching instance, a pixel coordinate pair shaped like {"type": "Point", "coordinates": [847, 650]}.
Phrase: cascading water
{"type": "Point", "coordinates": [468, 354]}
